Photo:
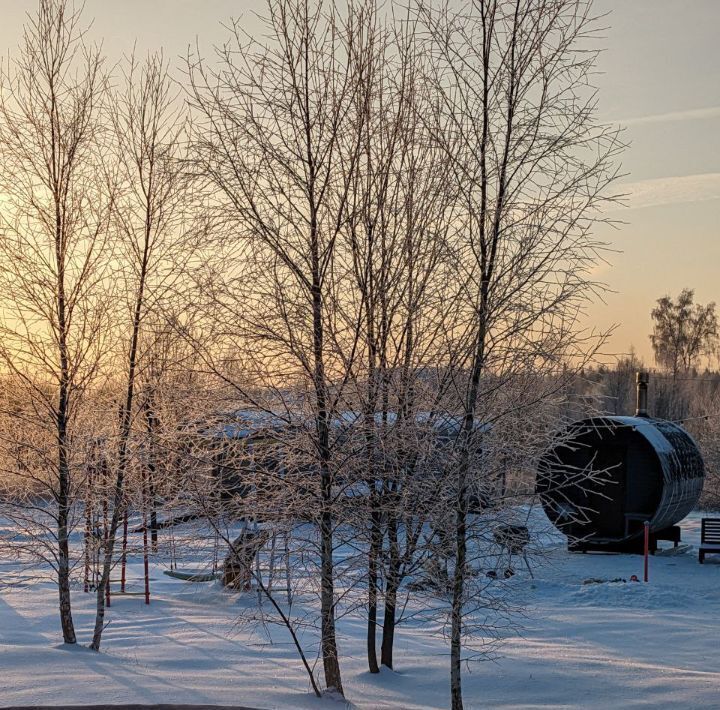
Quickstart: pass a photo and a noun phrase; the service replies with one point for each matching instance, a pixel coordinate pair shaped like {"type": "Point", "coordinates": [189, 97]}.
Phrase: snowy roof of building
{"type": "Point", "coordinates": [246, 423]}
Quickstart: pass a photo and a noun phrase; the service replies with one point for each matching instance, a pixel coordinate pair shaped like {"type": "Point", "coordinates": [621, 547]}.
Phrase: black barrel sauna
{"type": "Point", "coordinates": [603, 477]}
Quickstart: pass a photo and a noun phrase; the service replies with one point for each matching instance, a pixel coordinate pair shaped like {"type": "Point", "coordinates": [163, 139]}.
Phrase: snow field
{"type": "Point", "coordinates": [581, 646]}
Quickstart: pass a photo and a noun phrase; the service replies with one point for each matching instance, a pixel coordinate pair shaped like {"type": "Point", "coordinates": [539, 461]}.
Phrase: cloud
{"type": "Point", "coordinates": [672, 190]}
{"type": "Point", "coordinates": [694, 114]}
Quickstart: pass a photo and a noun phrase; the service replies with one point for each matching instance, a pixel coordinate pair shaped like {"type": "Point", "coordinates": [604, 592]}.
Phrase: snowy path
{"type": "Point", "coordinates": [583, 646]}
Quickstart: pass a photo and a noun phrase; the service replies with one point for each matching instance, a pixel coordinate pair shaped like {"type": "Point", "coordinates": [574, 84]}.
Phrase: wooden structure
{"type": "Point", "coordinates": [239, 563]}
{"type": "Point", "coordinates": [709, 538]}
{"type": "Point", "coordinates": [604, 477]}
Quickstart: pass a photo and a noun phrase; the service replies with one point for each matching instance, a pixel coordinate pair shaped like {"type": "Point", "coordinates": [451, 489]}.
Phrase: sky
{"type": "Point", "coordinates": [659, 78]}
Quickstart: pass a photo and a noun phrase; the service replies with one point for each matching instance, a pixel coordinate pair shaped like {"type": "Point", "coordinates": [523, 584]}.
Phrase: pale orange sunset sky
{"type": "Point", "coordinates": [660, 78]}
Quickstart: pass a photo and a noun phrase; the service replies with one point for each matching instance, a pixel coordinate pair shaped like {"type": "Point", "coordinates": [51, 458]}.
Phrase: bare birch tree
{"type": "Point", "coordinates": [279, 148]}
{"type": "Point", "coordinates": [55, 216]}
{"type": "Point", "coordinates": [400, 208]}
{"type": "Point", "coordinates": [683, 331]}
{"type": "Point", "coordinates": [155, 247]}
{"type": "Point", "coordinates": [532, 165]}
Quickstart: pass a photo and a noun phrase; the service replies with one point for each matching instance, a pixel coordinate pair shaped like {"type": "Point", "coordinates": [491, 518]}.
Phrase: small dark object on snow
{"type": "Point", "coordinates": [509, 572]}
{"type": "Point", "coordinates": [514, 538]}
{"type": "Point", "coordinates": [598, 580]}
{"type": "Point", "coordinates": [491, 573]}
{"type": "Point", "coordinates": [709, 538]}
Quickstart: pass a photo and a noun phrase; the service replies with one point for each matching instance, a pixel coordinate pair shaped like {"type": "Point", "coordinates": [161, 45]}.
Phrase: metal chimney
{"type": "Point", "coordinates": [642, 380]}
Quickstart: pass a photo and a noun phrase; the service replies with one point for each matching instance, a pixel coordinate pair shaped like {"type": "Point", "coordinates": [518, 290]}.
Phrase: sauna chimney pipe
{"type": "Point", "coordinates": [642, 380]}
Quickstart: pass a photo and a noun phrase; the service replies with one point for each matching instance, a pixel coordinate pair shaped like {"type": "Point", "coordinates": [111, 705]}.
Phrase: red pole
{"type": "Point", "coordinates": [88, 531]}
{"type": "Point", "coordinates": [145, 539]}
{"type": "Point", "coordinates": [147, 570]}
{"type": "Point", "coordinates": [106, 530]}
{"type": "Point", "coordinates": [647, 547]}
{"type": "Point", "coordinates": [124, 552]}
{"type": "Point", "coordinates": [86, 575]}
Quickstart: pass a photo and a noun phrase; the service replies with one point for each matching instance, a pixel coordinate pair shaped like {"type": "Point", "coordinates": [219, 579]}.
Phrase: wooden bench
{"type": "Point", "coordinates": [709, 538]}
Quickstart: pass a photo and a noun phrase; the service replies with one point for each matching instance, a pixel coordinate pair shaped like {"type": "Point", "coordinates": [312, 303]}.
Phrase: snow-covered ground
{"type": "Point", "coordinates": [607, 645]}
